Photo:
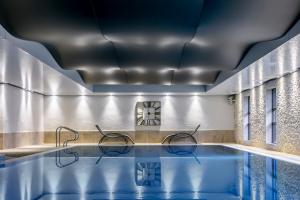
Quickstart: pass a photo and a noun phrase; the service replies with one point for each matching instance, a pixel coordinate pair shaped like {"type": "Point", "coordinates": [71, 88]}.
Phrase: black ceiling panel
{"type": "Point", "coordinates": [195, 76]}
{"type": "Point", "coordinates": [227, 29]}
{"type": "Point", "coordinates": [148, 76]}
{"type": "Point", "coordinates": [149, 41]}
{"type": "Point", "coordinates": [112, 76]}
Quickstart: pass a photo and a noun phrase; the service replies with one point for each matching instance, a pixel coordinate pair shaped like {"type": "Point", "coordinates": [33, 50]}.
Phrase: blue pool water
{"type": "Point", "coordinates": [148, 172]}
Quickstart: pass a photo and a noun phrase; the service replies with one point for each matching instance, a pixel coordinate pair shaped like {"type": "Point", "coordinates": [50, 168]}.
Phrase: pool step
{"type": "Point", "coordinates": [121, 196]}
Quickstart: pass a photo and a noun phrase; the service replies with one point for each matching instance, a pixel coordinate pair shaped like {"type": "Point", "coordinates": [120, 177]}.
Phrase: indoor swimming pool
{"type": "Point", "coordinates": [148, 172]}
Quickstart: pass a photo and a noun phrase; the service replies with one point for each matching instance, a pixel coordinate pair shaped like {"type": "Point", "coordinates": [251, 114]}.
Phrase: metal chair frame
{"type": "Point", "coordinates": [181, 135]}
{"type": "Point", "coordinates": [125, 137]}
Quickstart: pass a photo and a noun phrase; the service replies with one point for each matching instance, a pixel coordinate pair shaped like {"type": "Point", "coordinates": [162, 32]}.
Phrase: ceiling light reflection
{"type": "Point", "coordinates": [3, 188]}
{"type": "Point", "coordinates": [167, 41]}
{"type": "Point", "coordinates": [86, 40]}
{"type": "Point", "coordinates": [139, 192]}
{"type": "Point", "coordinates": [199, 42]}
{"type": "Point", "coordinates": [159, 41]}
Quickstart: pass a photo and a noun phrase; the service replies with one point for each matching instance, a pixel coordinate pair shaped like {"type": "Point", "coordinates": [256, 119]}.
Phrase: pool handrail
{"type": "Point", "coordinates": [58, 135]}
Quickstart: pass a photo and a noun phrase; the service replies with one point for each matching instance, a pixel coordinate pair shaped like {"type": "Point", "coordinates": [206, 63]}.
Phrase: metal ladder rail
{"type": "Point", "coordinates": [58, 134]}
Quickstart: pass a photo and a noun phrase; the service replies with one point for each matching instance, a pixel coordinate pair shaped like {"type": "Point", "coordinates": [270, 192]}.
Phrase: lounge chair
{"type": "Point", "coordinates": [181, 135]}
{"type": "Point", "coordinates": [113, 135]}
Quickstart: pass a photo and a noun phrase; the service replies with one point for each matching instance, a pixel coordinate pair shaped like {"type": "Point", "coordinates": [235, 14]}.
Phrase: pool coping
{"type": "Point", "coordinates": [291, 158]}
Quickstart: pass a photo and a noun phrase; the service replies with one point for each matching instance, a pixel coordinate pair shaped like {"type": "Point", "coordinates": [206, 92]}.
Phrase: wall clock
{"type": "Point", "coordinates": [148, 113]}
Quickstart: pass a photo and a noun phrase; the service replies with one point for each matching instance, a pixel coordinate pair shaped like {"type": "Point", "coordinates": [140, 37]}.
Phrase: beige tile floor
{"type": "Point", "coordinates": [27, 150]}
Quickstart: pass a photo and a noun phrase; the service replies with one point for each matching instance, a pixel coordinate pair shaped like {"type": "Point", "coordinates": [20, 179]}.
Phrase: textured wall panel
{"type": "Point", "coordinates": [257, 116]}
{"type": "Point", "coordinates": [288, 115]}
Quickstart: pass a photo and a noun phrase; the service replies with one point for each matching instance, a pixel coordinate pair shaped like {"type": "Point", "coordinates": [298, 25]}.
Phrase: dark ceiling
{"type": "Point", "coordinates": [149, 41]}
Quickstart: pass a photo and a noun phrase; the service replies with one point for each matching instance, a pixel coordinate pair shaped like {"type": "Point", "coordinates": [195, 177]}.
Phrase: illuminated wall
{"type": "Point", "coordinates": [21, 118]}
{"type": "Point", "coordinates": [22, 121]}
{"type": "Point", "coordinates": [1, 115]}
{"type": "Point", "coordinates": [23, 78]}
{"type": "Point", "coordinates": [118, 112]}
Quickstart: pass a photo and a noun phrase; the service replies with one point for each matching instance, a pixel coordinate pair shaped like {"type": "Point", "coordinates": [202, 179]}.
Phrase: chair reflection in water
{"type": "Point", "coordinates": [183, 151]}
{"type": "Point", "coordinates": [112, 151]}
{"type": "Point", "coordinates": [181, 135]}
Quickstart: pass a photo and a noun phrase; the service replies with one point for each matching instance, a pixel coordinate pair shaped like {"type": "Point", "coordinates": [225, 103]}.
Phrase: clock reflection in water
{"type": "Point", "coordinates": [148, 113]}
{"type": "Point", "coordinates": [148, 174]}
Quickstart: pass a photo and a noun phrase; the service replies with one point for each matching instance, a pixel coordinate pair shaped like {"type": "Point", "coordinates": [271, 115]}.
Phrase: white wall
{"type": "Point", "coordinates": [1, 110]}
{"type": "Point", "coordinates": [21, 111]}
{"type": "Point", "coordinates": [118, 112]}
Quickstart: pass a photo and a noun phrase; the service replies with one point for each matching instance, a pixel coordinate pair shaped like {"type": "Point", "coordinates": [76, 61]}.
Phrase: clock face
{"type": "Point", "coordinates": [148, 113]}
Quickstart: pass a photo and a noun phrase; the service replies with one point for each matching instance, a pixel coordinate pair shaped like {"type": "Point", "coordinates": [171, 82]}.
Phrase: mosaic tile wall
{"type": "Point", "coordinates": [288, 115]}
